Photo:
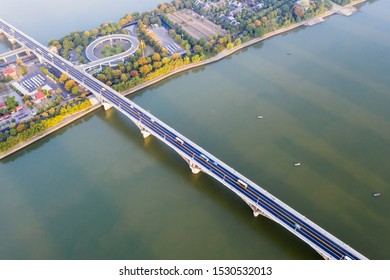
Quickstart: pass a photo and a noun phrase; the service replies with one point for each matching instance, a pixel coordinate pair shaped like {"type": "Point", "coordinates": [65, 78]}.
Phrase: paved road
{"type": "Point", "coordinates": [94, 60]}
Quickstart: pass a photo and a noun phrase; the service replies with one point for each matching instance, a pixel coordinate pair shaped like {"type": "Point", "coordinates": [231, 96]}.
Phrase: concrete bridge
{"type": "Point", "coordinates": [16, 53]}
{"type": "Point", "coordinates": [199, 160]}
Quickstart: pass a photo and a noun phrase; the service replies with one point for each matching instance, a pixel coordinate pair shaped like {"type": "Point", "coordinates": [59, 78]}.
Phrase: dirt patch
{"type": "Point", "coordinates": [196, 25]}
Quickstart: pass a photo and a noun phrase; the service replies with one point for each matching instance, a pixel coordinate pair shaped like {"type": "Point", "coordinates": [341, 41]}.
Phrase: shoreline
{"type": "Point", "coordinates": [225, 53]}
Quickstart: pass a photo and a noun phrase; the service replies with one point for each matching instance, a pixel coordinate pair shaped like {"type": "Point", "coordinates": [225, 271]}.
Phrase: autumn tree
{"type": "Point", "coordinates": [63, 78]}
{"type": "Point", "coordinates": [134, 73]}
{"type": "Point", "coordinates": [156, 57]}
{"type": "Point", "coordinates": [124, 78]}
{"type": "Point", "coordinates": [69, 85]}
{"type": "Point", "coordinates": [299, 11]}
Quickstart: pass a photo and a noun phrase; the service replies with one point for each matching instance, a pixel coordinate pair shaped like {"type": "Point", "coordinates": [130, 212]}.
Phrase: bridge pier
{"type": "Point", "coordinates": [106, 106]}
{"type": "Point", "coordinates": [144, 131]}
{"type": "Point", "coordinates": [257, 211]}
{"type": "Point", "coordinates": [195, 169]}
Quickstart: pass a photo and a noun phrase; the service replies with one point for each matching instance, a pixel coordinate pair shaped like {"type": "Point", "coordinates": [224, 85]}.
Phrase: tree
{"type": "Point", "coordinates": [165, 60]}
{"type": "Point", "coordinates": [95, 31]}
{"type": "Point", "coordinates": [156, 57]}
{"type": "Point", "coordinates": [23, 70]}
{"type": "Point", "coordinates": [175, 56]}
{"type": "Point", "coordinates": [69, 85]}
{"type": "Point", "coordinates": [299, 11]}
{"type": "Point", "coordinates": [142, 60]}
{"type": "Point", "coordinates": [2, 136]}
{"type": "Point", "coordinates": [197, 49]}
{"type": "Point", "coordinates": [134, 73]}
{"type": "Point", "coordinates": [63, 78]}
{"type": "Point", "coordinates": [145, 70]}
{"type": "Point", "coordinates": [11, 102]}
{"type": "Point", "coordinates": [13, 132]}
{"type": "Point", "coordinates": [142, 46]}
{"type": "Point", "coordinates": [102, 77]}
{"type": "Point", "coordinates": [20, 127]}
{"type": "Point", "coordinates": [58, 91]}
{"type": "Point", "coordinates": [124, 77]}
{"type": "Point", "coordinates": [75, 90]}
{"type": "Point", "coordinates": [116, 73]}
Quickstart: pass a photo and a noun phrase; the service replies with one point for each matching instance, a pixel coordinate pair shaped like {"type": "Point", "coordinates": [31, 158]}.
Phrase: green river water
{"type": "Point", "coordinates": [98, 190]}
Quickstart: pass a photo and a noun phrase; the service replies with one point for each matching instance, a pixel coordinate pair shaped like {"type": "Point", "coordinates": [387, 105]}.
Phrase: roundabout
{"type": "Point", "coordinates": [93, 53]}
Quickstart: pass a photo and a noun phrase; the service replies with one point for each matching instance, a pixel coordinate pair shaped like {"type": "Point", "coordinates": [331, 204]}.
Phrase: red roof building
{"type": "Point", "coordinates": [39, 97]}
{"type": "Point", "coordinates": [11, 72]}
{"type": "Point", "coordinates": [2, 105]}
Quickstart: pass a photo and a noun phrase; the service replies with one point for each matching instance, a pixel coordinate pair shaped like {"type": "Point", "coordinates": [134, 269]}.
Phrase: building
{"type": "Point", "coordinates": [304, 4]}
{"type": "Point", "coordinates": [39, 97]}
{"type": "Point", "coordinates": [3, 105]}
{"type": "Point", "coordinates": [230, 19]}
{"type": "Point", "coordinates": [53, 49]}
{"type": "Point", "coordinates": [10, 72]}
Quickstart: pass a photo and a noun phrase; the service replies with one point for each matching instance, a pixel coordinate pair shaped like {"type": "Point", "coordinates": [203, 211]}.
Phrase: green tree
{"type": "Point", "coordinates": [13, 132]}
{"type": "Point", "coordinates": [75, 90]}
{"type": "Point", "coordinates": [11, 102]}
{"type": "Point", "coordinates": [2, 136]}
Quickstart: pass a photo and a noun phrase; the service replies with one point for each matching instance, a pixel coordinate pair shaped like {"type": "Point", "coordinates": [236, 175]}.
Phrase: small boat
{"type": "Point", "coordinates": [297, 164]}
{"type": "Point", "coordinates": [259, 117]}
{"type": "Point", "coordinates": [289, 53]}
{"type": "Point", "coordinates": [376, 194]}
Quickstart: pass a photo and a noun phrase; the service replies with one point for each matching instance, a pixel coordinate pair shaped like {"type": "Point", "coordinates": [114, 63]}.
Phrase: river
{"type": "Point", "coordinates": [98, 190]}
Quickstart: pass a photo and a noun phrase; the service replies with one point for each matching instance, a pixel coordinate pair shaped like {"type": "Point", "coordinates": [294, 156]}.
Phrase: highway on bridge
{"type": "Point", "coordinates": [327, 245]}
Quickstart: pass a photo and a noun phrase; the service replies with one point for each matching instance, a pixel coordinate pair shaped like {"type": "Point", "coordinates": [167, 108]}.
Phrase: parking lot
{"type": "Point", "coordinates": [33, 81]}
{"type": "Point", "coordinates": [166, 40]}
{"type": "Point", "coordinates": [195, 25]}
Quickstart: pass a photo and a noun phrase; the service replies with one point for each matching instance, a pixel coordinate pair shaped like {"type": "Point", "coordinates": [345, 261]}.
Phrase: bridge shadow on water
{"type": "Point", "coordinates": [214, 191]}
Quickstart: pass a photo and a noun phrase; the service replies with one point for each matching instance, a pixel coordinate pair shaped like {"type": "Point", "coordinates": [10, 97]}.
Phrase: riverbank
{"type": "Point", "coordinates": [216, 58]}
{"type": "Point", "coordinates": [226, 52]}
{"type": "Point", "coordinates": [67, 120]}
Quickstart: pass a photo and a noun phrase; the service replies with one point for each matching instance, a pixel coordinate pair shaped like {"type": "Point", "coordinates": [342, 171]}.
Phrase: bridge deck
{"type": "Point", "coordinates": [256, 197]}
{"type": "Point", "coordinates": [13, 52]}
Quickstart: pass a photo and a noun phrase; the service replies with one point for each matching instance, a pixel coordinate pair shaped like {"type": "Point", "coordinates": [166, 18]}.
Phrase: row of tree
{"type": "Point", "coordinates": [18, 133]}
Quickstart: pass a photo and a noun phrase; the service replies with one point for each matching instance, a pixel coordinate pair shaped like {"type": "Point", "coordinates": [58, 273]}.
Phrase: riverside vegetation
{"type": "Point", "coordinates": [254, 21]}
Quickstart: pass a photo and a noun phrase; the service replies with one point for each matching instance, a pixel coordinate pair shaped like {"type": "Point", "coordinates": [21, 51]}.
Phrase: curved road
{"type": "Point", "coordinates": [94, 60]}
